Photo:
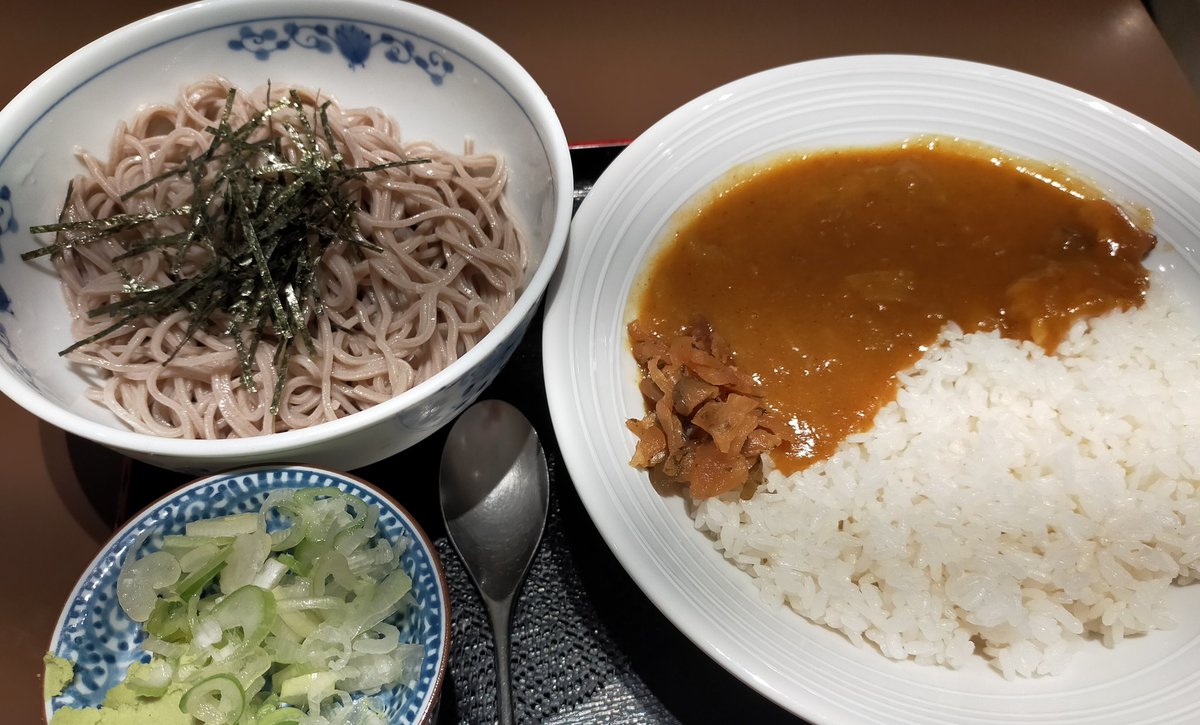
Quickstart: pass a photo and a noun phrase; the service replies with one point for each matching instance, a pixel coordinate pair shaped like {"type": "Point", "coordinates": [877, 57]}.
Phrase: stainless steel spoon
{"type": "Point", "coordinates": [495, 491]}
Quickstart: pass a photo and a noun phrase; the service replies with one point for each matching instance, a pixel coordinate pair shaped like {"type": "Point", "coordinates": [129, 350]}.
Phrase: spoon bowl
{"type": "Point", "coordinates": [495, 493]}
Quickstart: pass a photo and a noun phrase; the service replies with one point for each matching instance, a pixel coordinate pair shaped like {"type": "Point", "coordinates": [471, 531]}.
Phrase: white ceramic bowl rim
{"type": "Point", "coordinates": [177, 23]}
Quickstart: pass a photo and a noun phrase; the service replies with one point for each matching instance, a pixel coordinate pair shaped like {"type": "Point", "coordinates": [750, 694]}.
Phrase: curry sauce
{"type": "Point", "coordinates": [828, 273]}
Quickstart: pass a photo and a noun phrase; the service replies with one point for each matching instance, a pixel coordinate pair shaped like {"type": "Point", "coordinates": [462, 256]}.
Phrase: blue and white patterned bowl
{"type": "Point", "coordinates": [94, 633]}
{"type": "Point", "coordinates": [439, 79]}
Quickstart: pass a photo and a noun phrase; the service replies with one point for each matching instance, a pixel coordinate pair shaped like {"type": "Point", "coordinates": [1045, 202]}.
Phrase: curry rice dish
{"type": "Point", "coordinates": [991, 413]}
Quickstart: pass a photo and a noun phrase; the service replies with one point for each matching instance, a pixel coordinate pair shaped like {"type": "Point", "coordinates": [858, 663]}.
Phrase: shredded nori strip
{"type": "Point", "coordinates": [276, 220]}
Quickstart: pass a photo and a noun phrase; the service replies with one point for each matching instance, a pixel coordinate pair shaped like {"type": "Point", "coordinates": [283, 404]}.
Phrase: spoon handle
{"type": "Point", "coordinates": [500, 612]}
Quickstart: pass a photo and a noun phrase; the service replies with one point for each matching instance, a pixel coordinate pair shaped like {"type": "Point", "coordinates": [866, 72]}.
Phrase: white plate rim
{"type": "Point", "coordinates": [561, 334]}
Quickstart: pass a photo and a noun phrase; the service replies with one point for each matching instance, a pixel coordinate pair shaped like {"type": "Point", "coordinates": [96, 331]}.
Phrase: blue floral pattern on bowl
{"type": "Point", "coordinates": [6, 349]}
{"type": "Point", "coordinates": [8, 224]}
{"type": "Point", "coordinates": [95, 634]}
{"type": "Point", "coordinates": [350, 39]}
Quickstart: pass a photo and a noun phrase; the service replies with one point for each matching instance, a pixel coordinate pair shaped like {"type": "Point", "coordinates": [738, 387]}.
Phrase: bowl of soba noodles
{"type": "Point", "coordinates": [235, 233]}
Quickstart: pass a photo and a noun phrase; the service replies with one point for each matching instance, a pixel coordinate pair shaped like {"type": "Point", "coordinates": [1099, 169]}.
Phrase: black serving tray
{"type": "Point", "coordinates": [588, 645]}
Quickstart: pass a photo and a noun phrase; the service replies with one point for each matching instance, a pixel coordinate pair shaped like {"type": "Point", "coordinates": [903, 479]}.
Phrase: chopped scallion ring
{"type": "Point", "coordinates": [216, 700]}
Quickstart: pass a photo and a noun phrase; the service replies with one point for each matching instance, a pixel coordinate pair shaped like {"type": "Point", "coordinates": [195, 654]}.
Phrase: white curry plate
{"type": "Point", "coordinates": [591, 378]}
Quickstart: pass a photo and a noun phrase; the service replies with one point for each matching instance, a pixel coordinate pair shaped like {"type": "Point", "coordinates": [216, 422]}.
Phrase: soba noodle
{"type": "Point", "coordinates": [452, 265]}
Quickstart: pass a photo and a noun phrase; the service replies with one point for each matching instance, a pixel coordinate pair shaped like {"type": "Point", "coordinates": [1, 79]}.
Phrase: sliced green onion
{"type": "Point", "coordinates": [330, 603]}
{"type": "Point", "coordinates": [169, 622]}
{"type": "Point", "coordinates": [197, 557]}
{"type": "Point", "coordinates": [312, 689]}
{"type": "Point", "coordinates": [271, 574]}
{"type": "Point", "coordinates": [194, 582]}
{"type": "Point", "coordinates": [150, 679]}
{"type": "Point", "coordinates": [139, 583]}
{"type": "Point", "coordinates": [281, 716]}
{"type": "Point", "coordinates": [331, 564]}
{"type": "Point", "coordinates": [300, 621]}
{"type": "Point", "coordinates": [234, 525]}
{"type": "Point", "coordinates": [383, 638]}
{"type": "Point", "coordinates": [249, 609]}
{"type": "Point", "coordinates": [254, 634]}
{"type": "Point", "coordinates": [175, 542]}
{"type": "Point", "coordinates": [216, 700]}
{"type": "Point", "coordinates": [249, 553]}
{"type": "Point", "coordinates": [293, 563]}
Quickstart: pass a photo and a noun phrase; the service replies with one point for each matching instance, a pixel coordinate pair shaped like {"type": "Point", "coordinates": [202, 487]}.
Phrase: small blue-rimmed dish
{"type": "Point", "coordinates": [94, 632]}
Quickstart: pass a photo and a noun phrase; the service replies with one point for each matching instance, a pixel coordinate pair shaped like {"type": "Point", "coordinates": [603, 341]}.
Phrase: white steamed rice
{"type": "Point", "coordinates": [1008, 503]}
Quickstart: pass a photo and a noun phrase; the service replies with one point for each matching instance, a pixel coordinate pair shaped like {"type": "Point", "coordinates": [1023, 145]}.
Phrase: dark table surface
{"type": "Point", "coordinates": [610, 69]}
